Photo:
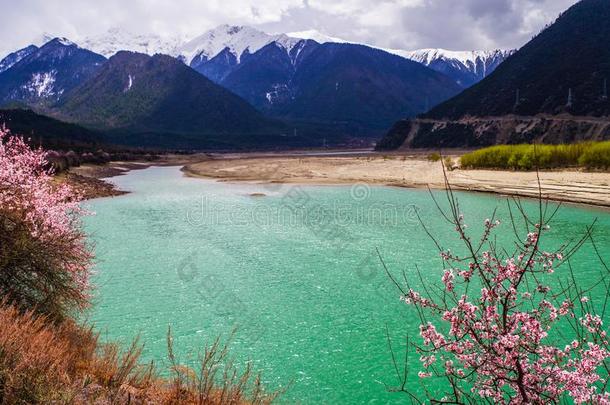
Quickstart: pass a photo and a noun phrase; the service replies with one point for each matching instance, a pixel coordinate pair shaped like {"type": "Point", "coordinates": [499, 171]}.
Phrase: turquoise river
{"type": "Point", "coordinates": [293, 268]}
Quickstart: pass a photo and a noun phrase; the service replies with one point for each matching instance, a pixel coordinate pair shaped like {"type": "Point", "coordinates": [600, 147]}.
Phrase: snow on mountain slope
{"type": "Point", "coordinates": [15, 57]}
{"type": "Point", "coordinates": [237, 38]}
{"type": "Point", "coordinates": [42, 85]}
{"type": "Point", "coordinates": [114, 40]}
{"type": "Point", "coordinates": [466, 58]}
{"type": "Point", "coordinates": [316, 36]}
{"type": "Point", "coordinates": [48, 72]}
{"type": "Point", "coordinates": [466, 68]}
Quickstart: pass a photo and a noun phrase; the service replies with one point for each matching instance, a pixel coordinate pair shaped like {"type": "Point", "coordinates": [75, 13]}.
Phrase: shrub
{"type": "Point", "coordinates": [216, 379]}
{"type": "Point", "coordinates": [44, 260]}
{"type": "Point", "coordinates": [35, 360]}
{"type": "Point", "coordinates": [448, 161]}
{"type": "Point", "coordinates": [434, 157]}
{"type": "Point", "coordinates": [592, 155]}
{"type": "Point", "coordinates": [48, 362]}
{"type": "Point", "coordinates": [596, 157]}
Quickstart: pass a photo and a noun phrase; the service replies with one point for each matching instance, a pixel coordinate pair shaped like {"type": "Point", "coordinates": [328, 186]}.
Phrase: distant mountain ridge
{"type": "Point", "coordinates": [40, 76]}
{"type": "Point", "coordinates": [337, 88]}
{"type": "Point", "coordinates": [115, 40]}
{"type": "Point", "coordinates": [232, 41]}
{"type": "Point", "coordinates": [562, 70]}
{"type": "Point", "coordinates": [359, 89]}
{"type": "Point", "coordinates": [561, 78]}
{"type": "Point", "coordinates": [235, 39]}
{"type": "Point", "coordinates": [466, 68]}
{"type": "Point", "coordinates": [362, 88]}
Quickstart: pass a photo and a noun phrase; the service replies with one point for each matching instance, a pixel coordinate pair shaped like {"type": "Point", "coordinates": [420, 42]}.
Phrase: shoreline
{"type": "Point", "coordinates": [414, 171]}
{"type": "Point", "coordinates": [404, 171]}
{"type": "Point", "coordinates": [90, 179]}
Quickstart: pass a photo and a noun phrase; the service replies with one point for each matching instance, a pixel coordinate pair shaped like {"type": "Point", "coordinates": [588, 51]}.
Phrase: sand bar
{"type": "Point", "coordinates": [572, 185]}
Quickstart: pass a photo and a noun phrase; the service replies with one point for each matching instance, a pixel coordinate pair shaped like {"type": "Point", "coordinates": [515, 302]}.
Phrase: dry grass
{"type": "Point", "coordinates": [43, 362]}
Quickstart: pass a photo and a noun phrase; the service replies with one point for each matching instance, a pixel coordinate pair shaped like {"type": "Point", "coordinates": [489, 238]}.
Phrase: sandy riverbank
{"type": "Point", "coordinates": [411, 171]}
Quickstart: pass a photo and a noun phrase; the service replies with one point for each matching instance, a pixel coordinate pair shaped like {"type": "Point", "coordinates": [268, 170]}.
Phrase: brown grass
{"type": "Point", "coordinates": [43, 362]}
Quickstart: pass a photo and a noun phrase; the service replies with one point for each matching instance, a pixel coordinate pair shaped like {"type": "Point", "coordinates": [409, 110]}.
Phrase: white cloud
{"type": "Point", "coordinates": [454, 24]}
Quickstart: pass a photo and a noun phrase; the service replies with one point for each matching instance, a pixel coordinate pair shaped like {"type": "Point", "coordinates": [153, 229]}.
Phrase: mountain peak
{"type": "Point", "coordinates": [315, 35]}
{"type": "Point", "coordinates": [60, 41]}
{"type": "Point", "coordinates": [42, 39]}
{"type": "Point", "coordinates": [429, 55]}
{"type": "Point", "coordinates": [238, 39]}
{"type": "Point", "coordinates": [232, 29]}
{"type": "Point", "coordinates": [118, 39]}
{"type": "Point", "coordinates": [40, 75]}
{"type": "Point", "coordinates": [465, 67]}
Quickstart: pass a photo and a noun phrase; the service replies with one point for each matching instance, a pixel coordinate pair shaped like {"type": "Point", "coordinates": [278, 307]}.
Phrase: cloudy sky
{"type": "Point", "coordinates": [403, 24]}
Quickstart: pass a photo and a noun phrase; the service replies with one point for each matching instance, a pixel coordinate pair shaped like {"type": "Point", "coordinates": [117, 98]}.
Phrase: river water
{"type": "Point", "coordinates": [294, 268]}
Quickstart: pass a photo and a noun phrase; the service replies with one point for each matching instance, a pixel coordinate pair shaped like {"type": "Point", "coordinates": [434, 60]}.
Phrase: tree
{"type": "Point", "coordinates": [44, 260]}
{"type": "Point", "coordinates": [494, 331]}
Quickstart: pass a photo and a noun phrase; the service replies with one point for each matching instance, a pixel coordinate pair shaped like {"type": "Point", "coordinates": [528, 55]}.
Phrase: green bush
{"type": "Point", "coordinates": [592, 155]}
{"type": "Point", "coordinates": [434, 157]}
{"type": "Point", "coordinates": [596, 157]}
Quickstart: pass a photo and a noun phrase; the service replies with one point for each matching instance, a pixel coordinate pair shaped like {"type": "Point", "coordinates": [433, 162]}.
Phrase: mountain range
{"type": "Point", "coordinates": [298, 79]}
{"type": "Point", "coordinates": [554, 89]}
{"type": "Point", "coordinates": [465, 67]}
{"type": "Point", "coordinates": [136, 96]}
{"type": "Point", "coordinates": [232, 85]}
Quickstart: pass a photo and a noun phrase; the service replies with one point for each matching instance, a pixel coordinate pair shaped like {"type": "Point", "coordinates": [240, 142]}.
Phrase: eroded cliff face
{"type": "Point", "coordinates": [486, 131]}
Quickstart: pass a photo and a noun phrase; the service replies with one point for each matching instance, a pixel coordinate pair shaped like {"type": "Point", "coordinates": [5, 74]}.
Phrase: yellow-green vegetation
{"type": "Point", "coordinates": [434, 157]}
{"type": "Point", "coordinates": [590, 155]}
{"type": "Point", "coordinates": [448, 161]}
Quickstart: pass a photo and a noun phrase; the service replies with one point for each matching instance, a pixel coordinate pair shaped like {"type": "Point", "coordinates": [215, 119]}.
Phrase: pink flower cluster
{"type": "Point", "coordinates": [49, 211]}
{"type": "Point", "coordinates": [497, 340]}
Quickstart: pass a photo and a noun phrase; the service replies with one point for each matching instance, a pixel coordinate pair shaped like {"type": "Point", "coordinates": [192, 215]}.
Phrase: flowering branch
{"type": "Point", "coordinates": [44, 260]}
{"type": "Point", "coordinates": [495, 331]}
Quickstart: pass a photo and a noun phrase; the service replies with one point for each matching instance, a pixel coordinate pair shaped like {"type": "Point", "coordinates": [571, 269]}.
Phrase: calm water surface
{"type": "Point", "coordinates": [295, 270]}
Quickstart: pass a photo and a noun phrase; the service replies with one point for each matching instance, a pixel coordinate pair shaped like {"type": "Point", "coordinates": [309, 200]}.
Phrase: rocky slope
{"type": "Point", "coordinates": [560, 76]}
{"type": "Point", "coordinates": [485, 131]}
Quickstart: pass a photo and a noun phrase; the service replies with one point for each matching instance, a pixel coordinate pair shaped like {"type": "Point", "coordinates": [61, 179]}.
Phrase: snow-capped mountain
{"type": "Point", "coordinates": [237, 39]}
{"type": "Point", "coordinates": [222, 48]}
{"type": "Point", "coordinates": [316, 36]}
{"type": "Point", "coordinates": [116, 39]}
{"type": "Point", "coordinates": [466, 68]}
{"type": "Point", "coordinates": [15, 57]}
{"type": "Point", "coordinates": [45, 74]}
{"type": "Point", "coordinates": [304, 75]}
